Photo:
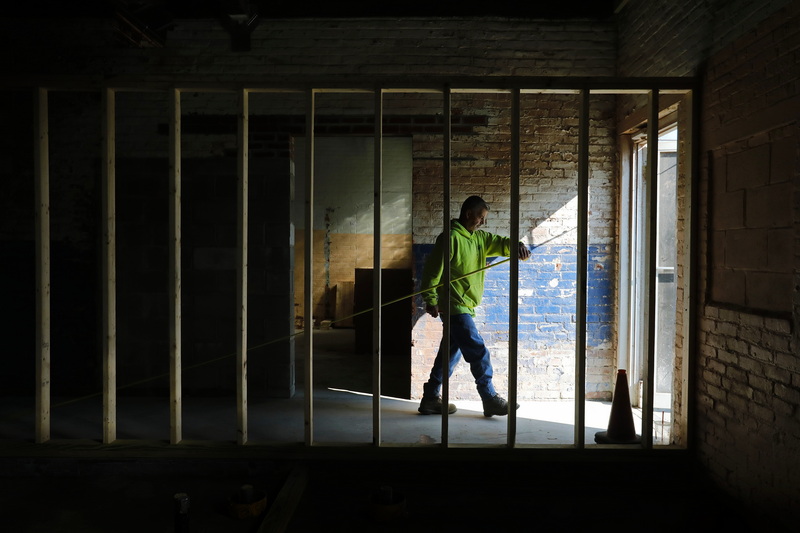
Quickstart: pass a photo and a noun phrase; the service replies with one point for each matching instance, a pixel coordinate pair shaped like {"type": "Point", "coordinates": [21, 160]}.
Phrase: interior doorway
{"type": "Point", "coordinates": [343, 251]}
{"type": "Point", "coordinates": [343, 218]}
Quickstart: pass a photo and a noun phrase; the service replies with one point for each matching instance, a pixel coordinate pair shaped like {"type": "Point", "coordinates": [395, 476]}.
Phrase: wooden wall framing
{"type": "Point", "coordinates": [584, 88]}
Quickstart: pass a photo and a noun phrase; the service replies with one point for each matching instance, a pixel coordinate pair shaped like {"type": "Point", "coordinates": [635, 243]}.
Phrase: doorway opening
{"type": "Point", "coordinates": [666, 277]}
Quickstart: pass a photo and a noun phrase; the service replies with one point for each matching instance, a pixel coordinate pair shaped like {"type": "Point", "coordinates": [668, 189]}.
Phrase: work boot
{"type": "Point", "coordinates": [432, 405]}
{"type": "Point", "coordinates": [496, 405]}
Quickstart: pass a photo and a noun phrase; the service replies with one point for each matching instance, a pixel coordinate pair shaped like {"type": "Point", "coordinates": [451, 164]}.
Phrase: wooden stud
{"type": "Point", "coordinates": [651, 184]}
{"type": "Point", "coordinates": [109, 268]}
{"type": "Point", "coordinates": [377, 299]}
{"type": "Point", "coordinates": [308, 323]}
{"type": "Point", "coordinates": [691, 266]}
{"type": "Point", "coordinates": [513, 297]}
{"type": "Point", "coordinates": [42, 235]}
{"type": "Point", "coordinates": [445, 345]}
{"type": "Point", "coordinates": [175, 389]}
{"type": "Point", "coordinates": [241, 275]}
{"type": "Point", "coordinates": [41, 163]}
{"type": "Point", "coordinates": [625, 247]}
{"type": "Point", "coordinates": [582, 275]}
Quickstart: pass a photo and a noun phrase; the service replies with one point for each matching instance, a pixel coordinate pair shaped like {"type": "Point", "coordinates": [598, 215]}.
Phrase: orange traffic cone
{"type": "Point", "coordinates": [620, 423]}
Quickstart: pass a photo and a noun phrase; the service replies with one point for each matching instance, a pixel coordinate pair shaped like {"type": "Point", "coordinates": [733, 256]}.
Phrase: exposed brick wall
{"type": "Point", "coordinates": [747, 407]}
{"type": "Point", "coordinates": [680, 393]}
{"type": "Point", "coordinates": [745, 360]}
{"type": "Point", "coordinates": [674, 38]}
{"type": "Point", "coordinates": [323, 49]}
{"type": "Point", "coordinates": [548, 210]}
{"type": "Point", "coordinates": [752, 235]}
{"type": "Point", "coordinates": [748, 368]}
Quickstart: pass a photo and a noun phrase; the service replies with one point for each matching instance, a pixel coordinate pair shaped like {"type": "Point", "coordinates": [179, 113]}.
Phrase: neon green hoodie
{"type": "Point", "coordinates": [468, 253]}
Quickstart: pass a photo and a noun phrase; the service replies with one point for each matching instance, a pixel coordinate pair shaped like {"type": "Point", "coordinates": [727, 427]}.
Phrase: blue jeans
{"type": "Point", "coordinates": [464, 340]}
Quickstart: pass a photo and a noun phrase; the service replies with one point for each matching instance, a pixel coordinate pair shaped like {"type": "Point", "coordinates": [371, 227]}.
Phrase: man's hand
{"type": "Point", "coordinates": [523, 251]}
{"type": "Point", "coordinates": [432, 310]}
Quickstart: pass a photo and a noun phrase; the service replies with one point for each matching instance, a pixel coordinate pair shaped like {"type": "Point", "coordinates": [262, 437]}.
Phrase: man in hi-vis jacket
{"type": "Point", "coordinates": [469, 248]}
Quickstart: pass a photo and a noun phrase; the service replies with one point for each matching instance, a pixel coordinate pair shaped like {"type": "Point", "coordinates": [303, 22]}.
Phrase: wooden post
{"type": "Point", "coordinates": [308, 296]}
{"type": "Point", "coordinates": [446, 277]}
{"type": "Point", "coordinates": [581, 277]}
{"type": "Point", "coordinates": [176, 399]}
{"type": "Point", "coordinates": [690, 269]}
{"type": "Point", "coordinates": [241, 278]}
{"type": "Point", "coordinates": [625, 247]}
{"type": "Point", "coordinates": [376, 270]}
{"type": "Point", "coordinates": [41, 162]}
{"type": "Point", "coordinates": [109, 269]}
{"type": "Point", "coordinates": [513, 298]}
{"type": "Point", "coordinates": [651, 184]}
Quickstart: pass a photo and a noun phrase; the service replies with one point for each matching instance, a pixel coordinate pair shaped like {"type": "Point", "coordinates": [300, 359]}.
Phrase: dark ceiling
{"type": "Point", "coordinates": [177, 9]}
{"type": "Point", "coordinates": [145, 23]}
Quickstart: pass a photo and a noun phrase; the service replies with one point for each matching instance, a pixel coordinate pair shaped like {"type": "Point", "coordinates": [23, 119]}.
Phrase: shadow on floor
{"type": "Point", "coordinates": [342, 413]}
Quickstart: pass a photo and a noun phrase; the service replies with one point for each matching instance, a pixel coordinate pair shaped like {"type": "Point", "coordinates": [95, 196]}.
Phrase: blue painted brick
{"type": "Point", "coordinates": [547, 315]}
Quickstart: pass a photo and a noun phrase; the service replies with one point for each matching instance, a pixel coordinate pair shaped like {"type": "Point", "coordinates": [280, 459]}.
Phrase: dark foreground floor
{"type": "Point", "coordinates": [457, 493]}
